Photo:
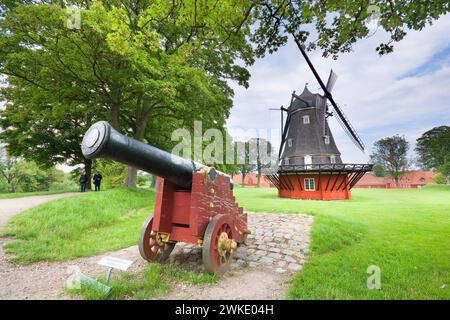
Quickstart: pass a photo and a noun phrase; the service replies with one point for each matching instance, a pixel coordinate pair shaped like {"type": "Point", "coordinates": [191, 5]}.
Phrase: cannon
{"type": "Point", "coordinates": [194, 203]}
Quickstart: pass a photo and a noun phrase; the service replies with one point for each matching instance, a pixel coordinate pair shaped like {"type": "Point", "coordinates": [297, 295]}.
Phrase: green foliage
{"type": "Point", "coordinates": [81, 225]}
{"type": "Point", "coordinates": [439, 179]}
{"type": "Point", "coordinates": [403, 231]}
{"type": "Point", "coordinates": [67, 184]}
{"type": "Point", "coordinates": [113, 173]}
{"type": "Point", "coordinates": [148, 68]}
{"type": "Point", "coordinates": [338, 25]}
{"type": "Point", "coordinates": [433, 148]}
{"type": "Point", "coordinates": [378, 170]}
{"type": "Point", "coordinates": [17, 175]}
{"type": "Point", "coordinates": [391, 154]}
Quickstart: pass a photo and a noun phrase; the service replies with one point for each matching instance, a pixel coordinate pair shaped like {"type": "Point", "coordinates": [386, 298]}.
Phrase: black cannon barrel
{"type": "Point", "coordinates": [103, 141]}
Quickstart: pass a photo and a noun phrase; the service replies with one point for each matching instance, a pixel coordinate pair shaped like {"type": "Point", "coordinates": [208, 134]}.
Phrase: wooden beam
{"type": "Point", "coordinates": [337, 178]}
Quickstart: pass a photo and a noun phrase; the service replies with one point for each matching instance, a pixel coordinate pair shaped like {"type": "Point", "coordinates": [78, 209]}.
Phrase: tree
{"type": "Point", "coordinates": [243, 159]}
{"type": "Point", "coordinates": [391, 154]}
{"type": "Point", "coordinates": [433, 149]}
{"type": "Point", "coordinates": [227, 166]}
{"type": "Point", "coordinates": [261, 149]}
{"type": "Point", "coordinates": [25, 176]}
{"type": "Point", "coordinates": [8, 170]}
{"type": "Point", "coordinates": [337, 25]}
{"type": "Point", "coordinates": [378, 170]}
{"type": "Point", "coordinates": [134, 63]}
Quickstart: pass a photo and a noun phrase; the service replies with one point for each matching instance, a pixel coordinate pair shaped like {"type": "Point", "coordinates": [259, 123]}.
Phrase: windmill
{"type": "Point", "coordinates": [310, 164]}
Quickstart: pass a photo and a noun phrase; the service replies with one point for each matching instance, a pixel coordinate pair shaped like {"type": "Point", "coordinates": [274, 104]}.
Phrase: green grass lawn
{"type": "Point", "coordinates": [80, 226]}
{"type": "Point", "coordinates": [406, 233]}
{"type": "Point", "coordinates": [30, 194]}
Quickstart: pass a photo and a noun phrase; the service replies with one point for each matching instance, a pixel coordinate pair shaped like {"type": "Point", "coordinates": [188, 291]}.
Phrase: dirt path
{"type": "Point", "coordinates": [11, 207]}
{"type": "Point", "coordinates": [246, 284]}
{"type": "Point", "coordinates": [46, 280]}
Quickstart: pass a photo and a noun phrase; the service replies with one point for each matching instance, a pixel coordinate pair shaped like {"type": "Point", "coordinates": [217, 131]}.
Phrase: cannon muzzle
{"type": "Point", "coordinates": [103, 141]}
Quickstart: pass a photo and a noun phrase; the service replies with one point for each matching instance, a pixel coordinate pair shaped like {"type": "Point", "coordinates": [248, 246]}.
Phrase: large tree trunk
{"type": "Point", "coordinates": [153, 184]}
{"type": "Point", "coordinates": [142, 116]}
{"type": "Point", "coordinates": [130, 177]}
{"type": "Point", "coordinates": [115, 117]}
{"type": "Point", "coordinates": [11, 186]}
{"type": "Point", "coordinates": [88, 171]}
{"type": "Point", "coordinates": [243, 180]}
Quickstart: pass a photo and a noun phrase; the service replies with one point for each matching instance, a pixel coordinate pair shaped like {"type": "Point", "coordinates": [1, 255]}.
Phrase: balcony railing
{"type": "Point", "coordinates": [342, 167]}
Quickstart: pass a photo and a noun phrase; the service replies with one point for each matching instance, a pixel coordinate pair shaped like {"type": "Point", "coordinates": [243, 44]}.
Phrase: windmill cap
{"type": "Point", "coordinates": [95, 138]}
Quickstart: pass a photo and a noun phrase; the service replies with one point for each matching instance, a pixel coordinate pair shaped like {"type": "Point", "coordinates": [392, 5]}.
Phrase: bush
{"type": "Point", "coordinates": [66, 184]}
{"type": "Point", "coordinates": [439, 178]}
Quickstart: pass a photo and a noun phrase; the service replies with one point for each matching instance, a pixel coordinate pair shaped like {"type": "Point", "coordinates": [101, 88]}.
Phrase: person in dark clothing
{"type": "Point", "coordinates": [97, 181]}
{"type": "Point", "coordinates": [83, 180]}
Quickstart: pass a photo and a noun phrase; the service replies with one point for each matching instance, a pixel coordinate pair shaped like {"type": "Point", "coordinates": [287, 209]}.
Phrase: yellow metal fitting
{"type": "Point", "coordinates": [225, 245]}
{"type": "Point", "coordinates": [161, 238]}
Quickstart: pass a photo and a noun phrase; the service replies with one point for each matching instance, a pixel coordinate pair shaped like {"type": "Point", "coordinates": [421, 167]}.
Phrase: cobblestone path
{"type": "Point", "coordinates": [278, 242]}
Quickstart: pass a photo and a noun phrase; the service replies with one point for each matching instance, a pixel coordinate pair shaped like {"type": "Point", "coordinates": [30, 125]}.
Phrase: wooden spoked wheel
{"type": "Point", "coordinates": [151, 249]}
{"type": "Point", "coordinates": [218, 244]}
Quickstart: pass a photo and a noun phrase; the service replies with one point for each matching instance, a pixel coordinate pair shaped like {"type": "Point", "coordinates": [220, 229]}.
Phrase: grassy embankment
{"type": "Point", "coordinates": [85, 225]}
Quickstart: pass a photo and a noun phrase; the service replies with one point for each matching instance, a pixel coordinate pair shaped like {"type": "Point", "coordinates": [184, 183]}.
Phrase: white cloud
{"type": "Point", "coordinates": [372, 90]}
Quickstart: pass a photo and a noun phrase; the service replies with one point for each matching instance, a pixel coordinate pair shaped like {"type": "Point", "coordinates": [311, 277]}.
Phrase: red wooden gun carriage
{"type": "Point", "coordinates": [193, 204]}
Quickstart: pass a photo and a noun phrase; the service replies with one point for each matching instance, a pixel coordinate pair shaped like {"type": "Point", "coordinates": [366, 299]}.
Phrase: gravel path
{"type": "Point", "coordinates": [263, 267]}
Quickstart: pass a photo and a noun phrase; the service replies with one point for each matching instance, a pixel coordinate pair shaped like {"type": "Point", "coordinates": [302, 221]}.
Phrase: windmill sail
{"type": "Point", "coordinates": [341, 117]}
{"type": "Point", "coordinates": [331, 81]}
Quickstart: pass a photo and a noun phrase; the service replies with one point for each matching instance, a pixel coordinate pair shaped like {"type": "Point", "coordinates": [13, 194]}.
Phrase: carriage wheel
{"type": "Point", "coordinates": [218, 244]}
{"type": "Point", "coordinates": [151, 249]}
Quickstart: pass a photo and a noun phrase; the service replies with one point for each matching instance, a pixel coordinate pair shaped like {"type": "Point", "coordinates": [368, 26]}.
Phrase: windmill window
{"type": "Point", "coordinates": [289, 142]}
{"type": "Point", "coordinates": [327, 139]}
{"type": "Point", "coordinates": [305, 119]}
{"type": "Point", "coordinates": [333, 159]}
{"type": "Point", "coordinates": [308, 160]}
{"type": "Point", "coordinates": [309, 184]}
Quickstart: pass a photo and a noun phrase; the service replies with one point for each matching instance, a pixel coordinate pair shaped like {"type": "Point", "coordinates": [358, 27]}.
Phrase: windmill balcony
{"type": "Point", "coordinates": [317, 181]}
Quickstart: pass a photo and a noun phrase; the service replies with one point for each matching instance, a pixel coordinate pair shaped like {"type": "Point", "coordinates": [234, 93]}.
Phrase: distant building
{"type": "Point", "coordinates": [409, 180]}
{"type": "Point", "coordinates": [251, 179]}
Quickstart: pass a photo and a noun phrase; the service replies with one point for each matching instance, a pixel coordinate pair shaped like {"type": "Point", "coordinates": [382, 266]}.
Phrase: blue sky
{"type": "Point", "coordinates": [406, 92]}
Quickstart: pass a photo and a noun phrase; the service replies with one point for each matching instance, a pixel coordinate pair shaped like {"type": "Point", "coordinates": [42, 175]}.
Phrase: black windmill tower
{"type": "Point", "coordinates": [310, 164]}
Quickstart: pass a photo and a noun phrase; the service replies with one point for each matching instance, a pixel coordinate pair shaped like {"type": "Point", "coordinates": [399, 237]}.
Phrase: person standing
{"type": "Point", "coordinates": [83, 180]}
{"type": "Point", "coordinates": [97, 181]}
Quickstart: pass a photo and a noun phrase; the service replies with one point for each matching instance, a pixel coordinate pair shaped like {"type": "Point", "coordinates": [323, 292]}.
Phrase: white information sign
{"type": "Point", "coordinates": [116, 263]}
